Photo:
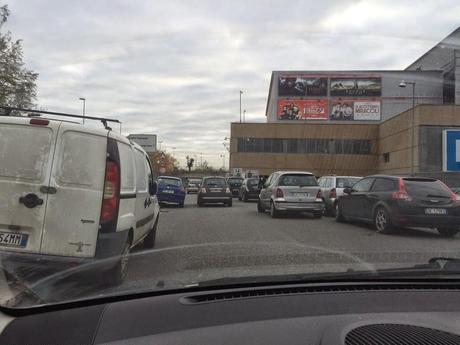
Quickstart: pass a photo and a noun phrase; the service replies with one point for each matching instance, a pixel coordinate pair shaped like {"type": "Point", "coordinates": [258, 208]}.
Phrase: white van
{"type": "Point", "coordinates": [71, 194]}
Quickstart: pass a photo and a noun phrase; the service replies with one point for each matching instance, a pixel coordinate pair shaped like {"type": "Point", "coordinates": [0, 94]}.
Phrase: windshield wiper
{"type": "Point", "coordinates": [437, 267]}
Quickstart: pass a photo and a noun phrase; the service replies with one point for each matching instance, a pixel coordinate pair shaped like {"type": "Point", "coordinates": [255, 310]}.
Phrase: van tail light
{"type": "Point", "coordinates": [227, 190]}
{"type": "Point", "coordinates": [319, 195]}
{"type": "Point", "coordinates": [401, 194]}
{"type": "Point", "coordinates": [182, 189]}
{"type": "Point", "coordinates": [111, 196]}
{"type": "Point", "coordinates": [279, 193]}
{"type": "Point", "coordinates": [333, 193]}
{"type": "Point", "coordinates": [39, 122]}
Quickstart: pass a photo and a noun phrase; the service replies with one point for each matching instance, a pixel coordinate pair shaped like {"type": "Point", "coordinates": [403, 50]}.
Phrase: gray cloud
{"type": "Point", "coordinates": [175, 68]}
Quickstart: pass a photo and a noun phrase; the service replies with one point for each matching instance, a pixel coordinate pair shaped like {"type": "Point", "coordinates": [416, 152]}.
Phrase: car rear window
{"type": "Point", "coordinates": [297, 180]}
{"type": "Point", "coordinates": [343, 182]}
{"type": "Point", "coordinates": [169, 182]}
{"type": "Point", "coordinates": [233, 181]}
{"type": "Point", "coordinates": [214, 182]}
{"type": "Point", "coordinates": [19, 160]}
{"type": "Point", "coordinates": [426, 189]}
{"type": "Point", "coordinates": [254, 182]}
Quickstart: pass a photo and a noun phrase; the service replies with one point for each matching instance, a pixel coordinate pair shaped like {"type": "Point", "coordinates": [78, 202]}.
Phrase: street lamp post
{"type": "Point", "coordinates": [241, 92]}
{"type": "Point", "coordinates": [244, 115]}
{"type": "Point", "coordinates": [404, 84]}
{"type": "Point", "coordinates": [223, 160]}
{"type": "Point", "coordinates": [84, 107]}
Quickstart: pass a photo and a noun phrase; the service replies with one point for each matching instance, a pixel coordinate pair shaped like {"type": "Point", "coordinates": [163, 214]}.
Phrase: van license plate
{"type": "Point", "coordinates": [10, 239]}
{"type": "Point", "coordinates": [167, 191]}
{"type": "Point", "coordinates": [435, 211]}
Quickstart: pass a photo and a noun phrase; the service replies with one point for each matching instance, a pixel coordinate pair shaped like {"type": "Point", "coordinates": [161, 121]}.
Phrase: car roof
{"type": "Point", "coordinates": [282, 172]}
{"type": "Point", "coordinates": [341, 176]}
{"type": "Point", "coordinates": [170, 177]}
{"type": "Point", "coordinates": [206, 177]}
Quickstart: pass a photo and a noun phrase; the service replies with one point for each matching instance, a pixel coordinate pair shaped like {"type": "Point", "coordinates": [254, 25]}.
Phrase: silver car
{"type": "Point", "coordinates": [332, 187]}
{"type": "Point", "coordinates": [291, 191]}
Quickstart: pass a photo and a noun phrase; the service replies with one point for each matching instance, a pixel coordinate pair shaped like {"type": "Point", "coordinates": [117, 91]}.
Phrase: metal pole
{"type": "Point", "coordinates": [84, 110]}
{"type": "Point", "coordinates": [413, 130]}
{"type": "Point", "coordinates": [244, 115]}
{"type": "Point", "coordinates": [241, 92]}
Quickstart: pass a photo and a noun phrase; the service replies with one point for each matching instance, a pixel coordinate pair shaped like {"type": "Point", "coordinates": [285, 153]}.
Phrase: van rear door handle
{"type": "Point", "coordinates": [48, 190]}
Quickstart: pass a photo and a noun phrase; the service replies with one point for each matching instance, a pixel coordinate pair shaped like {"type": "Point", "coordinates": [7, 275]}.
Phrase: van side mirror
{"type": "Point", "coordinates": [153, 187]}
{"type": "Point", "coordinates": [347, 190]}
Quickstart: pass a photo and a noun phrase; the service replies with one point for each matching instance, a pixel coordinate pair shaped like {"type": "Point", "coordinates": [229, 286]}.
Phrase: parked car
{"type": "Point", "coordinates": [88, 196]}
{"type": "Point", "coordinates": [214, 189]}
{"type": "Point", "coordinates": [250, 189]}
{"type": "Point", "coordinates": [234, 183]}
{"type": "Point", "coordinates": [394, 201]}
{"type": "Point", "coordinates": [193, 186]}
{"type": "Point", "coordinates": [332, 187]}
{"type": "Point", "coordinates": [291, 191]}
{"type": "Point", "coordinates": [171, 190]}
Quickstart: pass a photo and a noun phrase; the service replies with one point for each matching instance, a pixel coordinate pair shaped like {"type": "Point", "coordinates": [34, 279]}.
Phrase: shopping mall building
{"type": "Point", "coordinates": [358, 122]}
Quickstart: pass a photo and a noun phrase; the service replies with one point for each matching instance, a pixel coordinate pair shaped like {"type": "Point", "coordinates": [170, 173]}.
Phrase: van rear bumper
{"type": "Point", "coordinates": [108, 249]}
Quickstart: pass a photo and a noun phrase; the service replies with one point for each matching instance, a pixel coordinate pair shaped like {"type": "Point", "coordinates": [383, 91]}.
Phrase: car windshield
{"type": "Point", "coordinates": [162, 145]}
{"type": "Point", "coordinates": [169, 182]}
{"type": "Point", "coordinates": [343, 182]}
{"type": "Point", "coordinates": [297, 180]}
{"type": "Point", "coordinates": [214, 182]}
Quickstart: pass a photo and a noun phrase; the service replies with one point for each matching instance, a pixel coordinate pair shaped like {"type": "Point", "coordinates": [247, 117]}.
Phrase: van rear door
{"type": "Point", "coordinates": [26, 154]}
{"type": "Point", "coordinates": [77, 180]}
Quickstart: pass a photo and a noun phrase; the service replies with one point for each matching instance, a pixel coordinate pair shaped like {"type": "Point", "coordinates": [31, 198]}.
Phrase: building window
{"type": "Point", "coordinates": [305, 146]}
{"type": "Point", "coordinates": [386, 157]}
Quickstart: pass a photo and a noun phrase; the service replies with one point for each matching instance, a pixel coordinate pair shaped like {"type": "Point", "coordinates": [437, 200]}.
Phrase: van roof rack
{"type": "Point", "coordinates": [104, 120]}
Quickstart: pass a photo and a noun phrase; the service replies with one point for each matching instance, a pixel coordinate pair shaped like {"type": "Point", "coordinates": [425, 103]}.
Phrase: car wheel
{"type": "Point", "coordinates": [149, 240]}
{"type": "Point", "coordinates": [382, 221]}
{"type": "Point", "coordinates": [199, 203]}
{"type": "Point", "coordinates": [239, 197]}
{"type": "Point", "coordinates": [181, 204]}
{"type": "Point", "coordinates": [245, 197]}
{"type": "Point", "coordinates": [447, 232]}
{"type": "Point", "coordinates": [260, 209]}
{"type": "Point", "coordinates": [339, 218]}
{"type": "Point", "coordinates": [333, 210]}
{"type": "Point", "coordinates": [230, 203]}
{"type": "Point", "coordinates": [317, 215]}
{"type": "Point", "coordinates": [118, 273]}
{"type": "Point", "coordinates": [273, 211]}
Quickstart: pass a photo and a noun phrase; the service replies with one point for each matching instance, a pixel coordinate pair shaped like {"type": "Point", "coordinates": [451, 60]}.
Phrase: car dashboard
{"type": "Point", "coordinates": [350, 314]}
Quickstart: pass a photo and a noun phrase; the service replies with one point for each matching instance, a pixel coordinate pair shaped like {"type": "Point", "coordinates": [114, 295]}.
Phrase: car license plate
{"type": "Point", "coordinates": [10, 239]}
{"type": "Point", "coordinates": [435, 211]}
{"type": "Point", "coordinates": [216, 190]}
{"type": "Point", "coordinates": [302, 195]}
{"type": "Point", "coordinates": [168, 191]}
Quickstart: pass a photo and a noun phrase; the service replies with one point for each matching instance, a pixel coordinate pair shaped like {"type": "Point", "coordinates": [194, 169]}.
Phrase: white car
{"type": "Point", "coordinates": [71, 195]}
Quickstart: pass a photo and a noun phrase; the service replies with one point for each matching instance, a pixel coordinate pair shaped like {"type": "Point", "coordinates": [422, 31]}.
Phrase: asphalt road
{"type": "Point", "coordinates": [200, 243]}
{"type": "Point", "coordinates": [195, 244]}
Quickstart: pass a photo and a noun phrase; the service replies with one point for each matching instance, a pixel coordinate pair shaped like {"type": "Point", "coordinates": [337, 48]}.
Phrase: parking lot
{"type": "Point", "coordinates": [196, 244]}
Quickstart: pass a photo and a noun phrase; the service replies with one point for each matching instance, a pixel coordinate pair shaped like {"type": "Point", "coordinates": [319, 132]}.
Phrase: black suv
{"type": "Point", "coordinates": [234, 183]}
{"type": "Point", "coordinates": [393, 201]}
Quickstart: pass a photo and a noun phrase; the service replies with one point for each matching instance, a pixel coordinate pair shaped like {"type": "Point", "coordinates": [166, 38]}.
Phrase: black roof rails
{"type": "Point", "coordinates": [104, 121]}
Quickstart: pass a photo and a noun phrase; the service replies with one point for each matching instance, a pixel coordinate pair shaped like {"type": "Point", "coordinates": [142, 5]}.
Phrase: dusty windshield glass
{"type": "Point", "coordinates": [156, 145]}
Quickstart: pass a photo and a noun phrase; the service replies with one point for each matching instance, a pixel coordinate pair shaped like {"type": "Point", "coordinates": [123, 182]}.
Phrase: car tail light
{"type": "Point", "coordinates": [319, 195]}
{"type": "Point", "coordinates": [111, 191]}
{"type": "Point", "coordinates": [333, 193]}
{"type": "Point", "coordinates": [182, 189]}
{"type": "Point", "coordinates": [453, 196]}
{"type": "Point", "coordinates": [401, 194]}
{"type": "Point", "coordinates": [279, 193]}
{"type": "Point", "coordinates": [203, 190]}
{"type": "Point", "coordinates": [227, 190]}
{"type": "Point", "coordinates": [39, 122]}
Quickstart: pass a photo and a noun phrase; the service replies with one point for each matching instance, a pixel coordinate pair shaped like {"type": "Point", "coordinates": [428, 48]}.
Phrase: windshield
{"type": "Point", "coordinates": [159, 145]}
{"type": "Point", "coordinates": [297, 180]}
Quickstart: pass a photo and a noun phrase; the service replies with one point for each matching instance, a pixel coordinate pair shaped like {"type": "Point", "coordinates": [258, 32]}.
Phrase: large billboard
{"type": "Point", "coordinates": [302, 85]}
{"type": "Point", "coordinates": [357, 110]}
{"type": "Point", "coordinates": [147, 141]}
{"type": "Point", "coordinates": [367, 87]}
{"type": "Point", "coordinates": [307, 109]}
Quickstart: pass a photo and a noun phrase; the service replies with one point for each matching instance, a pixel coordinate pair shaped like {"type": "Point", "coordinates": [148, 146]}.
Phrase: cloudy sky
{"type": "Point", "coordinates": [175, 68]}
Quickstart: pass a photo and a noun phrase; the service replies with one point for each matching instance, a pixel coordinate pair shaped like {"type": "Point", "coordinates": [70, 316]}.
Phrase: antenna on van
{"type": "Point", "coordinates": [8, 110]}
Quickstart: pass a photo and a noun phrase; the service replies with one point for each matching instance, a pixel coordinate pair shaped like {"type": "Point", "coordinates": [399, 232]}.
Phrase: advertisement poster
{"type": "Point", "coordinates": [310, 109]}
{"type": "Point", "coordinates": [367, 87]}
{"type": "Point", "coordinates": [302, 86]}
{"type": "Point", "coordinates": [366, 111]}
{"type": "Point", "coordinates": [342, 110]}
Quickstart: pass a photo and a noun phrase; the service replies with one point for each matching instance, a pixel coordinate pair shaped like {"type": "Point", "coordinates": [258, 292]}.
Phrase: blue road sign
{"type": "Point", "coordinates": [451, 150]}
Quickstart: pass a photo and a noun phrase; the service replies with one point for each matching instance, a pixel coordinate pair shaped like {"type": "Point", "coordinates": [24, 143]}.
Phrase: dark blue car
{"type": "Point", "coordinates": [171, 190]}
